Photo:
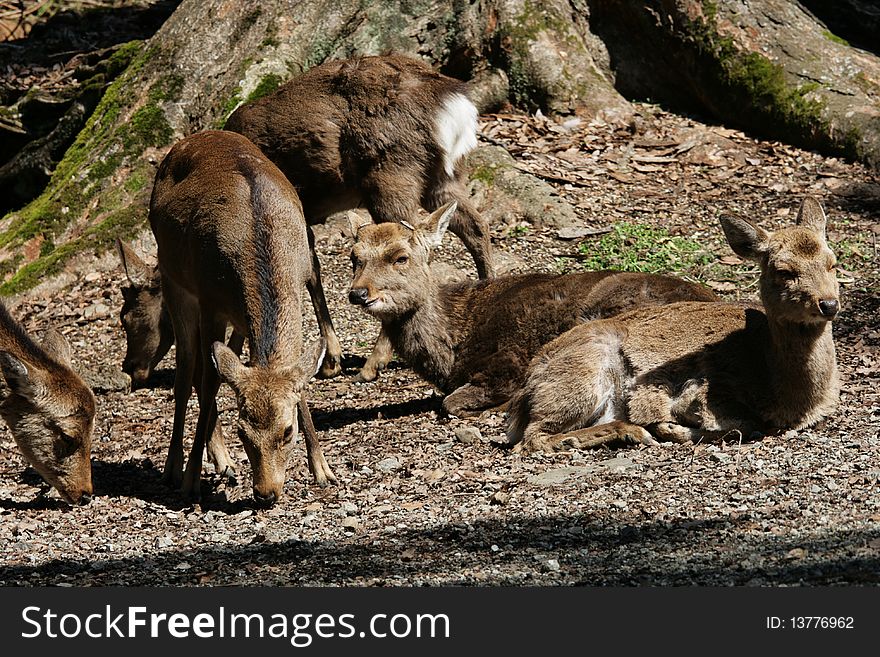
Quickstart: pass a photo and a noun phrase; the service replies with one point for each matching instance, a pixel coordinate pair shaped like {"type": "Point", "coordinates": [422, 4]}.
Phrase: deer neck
{"type": "Point", "coordinates": [425, 337]}
{"type": "Point", "coordinates": [803, 368]}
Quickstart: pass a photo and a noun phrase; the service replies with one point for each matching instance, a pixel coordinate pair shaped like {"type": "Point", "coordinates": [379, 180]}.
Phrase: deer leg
{"type": "Point", "coordinates": [379, 358]}
{"type": "Point", "coordinates": [617, 431]}
{"type": "Point", "coordinates": [332, 364]}
{"type": "Point", "coordinates": [216, 447]}
{"type": "Point", "coordinates": [185, 321]}
{"type": "Point", "coordinates": [468, 224]}
{"type": "Point", "coordinates": [471, 400]}
{"type": "Point", "coordinates": [314, 454]}
{"type": "Point", "coordinates": [210, 330]}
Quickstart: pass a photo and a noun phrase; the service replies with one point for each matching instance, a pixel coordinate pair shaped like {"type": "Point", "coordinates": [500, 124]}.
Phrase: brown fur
{"type": "Point", "coordinates": [48, 408]}
{"type": "Point", "coordinates": [474, 340]}
{"type": "Point", "coordinates": [233, 249]}
{"type": "Point", "coordinates": [360, 133]}
{"type": "Point", "coordinates": [690, 371]}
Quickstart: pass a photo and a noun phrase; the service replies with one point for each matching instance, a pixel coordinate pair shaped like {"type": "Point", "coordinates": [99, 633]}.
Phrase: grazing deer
{"type": "Point", "coordinates": [48, 408]}
{"type": "Point", "coordinates": [474, 340]}
{"type": "Point", "coordinates": [233, 249]}
{"type": "Point", "coordinates": [689, 371]}
{"type": "Point", "coordinates": [385, 133]}
{"type": "Point", "coordinates": [144, 317]}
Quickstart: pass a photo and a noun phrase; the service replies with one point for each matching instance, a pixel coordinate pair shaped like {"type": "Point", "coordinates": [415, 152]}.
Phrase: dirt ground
{"type": "Point", "coordinates": [424, 500]}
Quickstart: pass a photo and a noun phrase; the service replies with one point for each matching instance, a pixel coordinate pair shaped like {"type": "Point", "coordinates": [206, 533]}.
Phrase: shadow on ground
{"type": "Point", "coordinates": [589, 551]}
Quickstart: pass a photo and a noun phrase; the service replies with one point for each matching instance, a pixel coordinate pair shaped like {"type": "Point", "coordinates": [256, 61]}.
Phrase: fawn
{"type": "Point", "coordinates": [687, 371]}
{"type": "Point", "coordinates": [48, 408]}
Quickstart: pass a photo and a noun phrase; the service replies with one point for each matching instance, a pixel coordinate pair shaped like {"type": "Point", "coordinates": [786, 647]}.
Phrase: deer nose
{"type": "Point", "coordinates": [358, 296]}
{"type": "Point", "coordinates": [829, 307]}
{"type": "Point", "coordinates": [84, 499]}
{"type": "Point", "coordinates": [265, 501]}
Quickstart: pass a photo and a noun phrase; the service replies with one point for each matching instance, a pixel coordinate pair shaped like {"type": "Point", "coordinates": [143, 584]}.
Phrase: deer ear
{"type": "Point", "coordinates": [746, 239]}
{"type": "Point", "coordinates": [57, 346]}
{"type": "Point", "coordinates": [356, 221]}
{"type": "Point", "coordinates": [811, 215]}
{"type": "Point", "coordinates": [228, 365]}
{"type": "Point", "coordinates": [309, 363]}
{"type": "Point", "coordinates": [18, 377]}
{"type": "Point", "coordinates": [136, 270]}
{"type": "Point", "coordinates": [434, 227]}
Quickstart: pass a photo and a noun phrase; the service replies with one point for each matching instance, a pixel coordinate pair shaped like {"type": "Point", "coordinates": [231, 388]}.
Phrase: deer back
{"type": "Point", "coordinates": [329, 128]}
{"type": "Point", "coordinates": [230, 230]}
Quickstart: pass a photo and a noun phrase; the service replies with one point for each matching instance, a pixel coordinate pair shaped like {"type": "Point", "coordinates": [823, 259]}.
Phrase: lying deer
{"type": "Point", "coordinates": [233, 249]}
{"type": "Point", "coordinates": [48, 408]}
{"type": "Point", "coordinates": [690, 371]}
{"type": "Point", "coordinates": [474, 340]}
{"type": "Point", "coordinates": [384, 133]}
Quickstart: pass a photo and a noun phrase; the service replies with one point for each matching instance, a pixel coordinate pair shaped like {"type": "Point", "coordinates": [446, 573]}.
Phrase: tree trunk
{"type": "Point", "coordinates": [766, 66]}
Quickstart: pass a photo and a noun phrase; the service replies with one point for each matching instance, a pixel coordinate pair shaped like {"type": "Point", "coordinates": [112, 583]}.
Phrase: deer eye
{"type": "Point", "coordinates": [288, 435]}
{"type": "Point", "coordinates": [786, 274]}
{"type": "Point", "coordinates": [402, 260]}
{"type": "Point", "coordinates": [354, 261]}
{"type": "Point", "coordinates": [66, 445]}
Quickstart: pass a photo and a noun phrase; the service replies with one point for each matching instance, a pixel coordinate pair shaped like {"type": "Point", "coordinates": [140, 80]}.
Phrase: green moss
{"type": "Point", "coordinates": [96, 154]}
{"type": "Point", "coordinates": [754, 89]}
{"type": "Point", "coordinates": [9, 265]}
{"type": "Point", "coordinates": [124, 223]}
{"type": "Point", "coordinates": [833, 37]}
{"type": "Point", "coordinates": [147, 127]}
{"type": "Point", "coordinates": [137, 180]}
{"type": "Point", "coordinates": [119, 60]}
{"type": "Point", "coordinates": [167, 88]}
{"type": "Point", "coordinates": [485, 174]}
{"type": "Point", "coordinates": [265, 87]}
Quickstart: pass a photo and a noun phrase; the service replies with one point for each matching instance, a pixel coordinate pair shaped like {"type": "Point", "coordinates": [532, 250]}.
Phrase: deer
{"type": "Point", "coordinates": [386, 133]}
{"type": "Point", "coordinates": [473, 340]}
{"type": "Point", "coordinates": [48, 408]}
{"type": "Point", "coordinates": [233, 249]}
{"type": "Point", "coordinates": [687, 372]}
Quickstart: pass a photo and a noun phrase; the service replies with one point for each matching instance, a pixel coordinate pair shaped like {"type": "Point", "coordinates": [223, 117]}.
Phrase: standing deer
{"type": "Point", "coordinates": [385, 133]}
{"type": "Point", "coordinates": [689, 371]}
{"type": "Point", "coordinates": [233, 249]}
{"type": "Point", "coordinates": [474, 340]}
{"type": "Point", "coordinates": [48, 408]}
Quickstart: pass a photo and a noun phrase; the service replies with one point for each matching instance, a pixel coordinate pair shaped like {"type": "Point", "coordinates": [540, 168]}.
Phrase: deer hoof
{"type": "Point", "coordinates": [330, 368]}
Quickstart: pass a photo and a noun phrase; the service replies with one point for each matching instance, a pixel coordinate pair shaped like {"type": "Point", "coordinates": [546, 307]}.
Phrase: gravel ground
{"type": "Point", "coordinates": [424, 500]}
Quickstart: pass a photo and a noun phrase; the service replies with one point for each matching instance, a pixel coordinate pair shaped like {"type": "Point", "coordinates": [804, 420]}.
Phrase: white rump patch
{"type": "Point", "coordinates": [456, 129]}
